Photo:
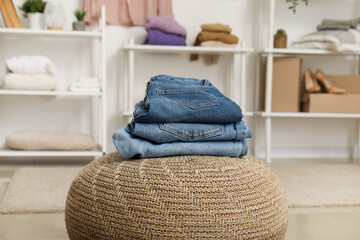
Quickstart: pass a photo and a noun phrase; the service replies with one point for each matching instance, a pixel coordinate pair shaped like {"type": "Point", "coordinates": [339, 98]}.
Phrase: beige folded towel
{"type": "Point", "coordinates": [42, 82]}
{"type": "Point", "coordinates": [50, 140]}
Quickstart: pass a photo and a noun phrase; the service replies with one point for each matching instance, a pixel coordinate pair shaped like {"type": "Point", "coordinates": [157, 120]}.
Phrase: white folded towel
{"type": "Point", "coordinates": [86, 84]}
{"type": "Point", "coordinates": [26, 64]}
{"type": "Point", "coordinates": [76, 89]}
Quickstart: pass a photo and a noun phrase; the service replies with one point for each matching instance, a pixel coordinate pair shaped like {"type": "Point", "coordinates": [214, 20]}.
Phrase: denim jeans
{"type": "Point", "coordinates": [186, 100]}
{"type": "Point", "coordinates": [189, 132]}
{"type": "Point", "coordinates": [130, 146]}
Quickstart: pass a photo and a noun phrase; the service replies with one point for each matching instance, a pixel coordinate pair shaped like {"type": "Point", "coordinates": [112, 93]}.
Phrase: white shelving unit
{"type": "Point", "coordinates": [235, 82]}
{"type": "Point", "coordinates": [99, 35]}
{"type": "Point", "coordinates": [271, 52]}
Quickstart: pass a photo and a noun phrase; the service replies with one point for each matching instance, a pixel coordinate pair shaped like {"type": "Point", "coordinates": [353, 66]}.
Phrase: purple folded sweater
{"type": "Point", "coordinates": [165, 24]}
{"type": "Point", "coordinates": [158, 37]}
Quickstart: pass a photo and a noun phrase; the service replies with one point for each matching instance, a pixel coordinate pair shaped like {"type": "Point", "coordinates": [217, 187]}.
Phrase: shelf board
{"type": "Point", "coordinates": [47, 93]}
{"type": "Point", "coordinates": [48, 33]}
{"type": "Point", "coordinates": [307, 115]}
{"type": "Point", "coordinates": [130, 114]}
{"type": "Point", "coordinates": [296, 51]}
{"type": "Point", "coordinates": [5, 152]}
{"type": "Point", "coordinates": [185, 49]}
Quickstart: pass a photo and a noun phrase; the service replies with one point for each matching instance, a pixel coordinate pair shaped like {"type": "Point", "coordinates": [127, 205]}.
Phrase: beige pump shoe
{"type": "Point", "coordinates": [311, 85]}
{"type": "Point", "coordinates": [327, 84]}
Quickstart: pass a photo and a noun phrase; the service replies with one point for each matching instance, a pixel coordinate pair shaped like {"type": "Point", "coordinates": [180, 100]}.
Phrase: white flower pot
{"type": "Point", "coordinates": [36, 20]}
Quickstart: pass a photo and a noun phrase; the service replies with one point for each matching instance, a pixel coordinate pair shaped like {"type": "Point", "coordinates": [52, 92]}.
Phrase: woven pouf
{"type": "Point", "coordinates": [184, 197]}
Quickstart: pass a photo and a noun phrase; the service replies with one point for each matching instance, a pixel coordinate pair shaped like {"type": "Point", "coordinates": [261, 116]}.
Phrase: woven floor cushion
{"type": "Point", "coordinates": [183, 197]}
{"type": "Point", "coordinates": [50, 141]}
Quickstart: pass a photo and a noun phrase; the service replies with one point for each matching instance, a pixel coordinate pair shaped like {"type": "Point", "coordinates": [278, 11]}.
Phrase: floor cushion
{"type": "Point", "coordinates": [50, 140]}
{"type": "Point", "coordinates": [180, 197]}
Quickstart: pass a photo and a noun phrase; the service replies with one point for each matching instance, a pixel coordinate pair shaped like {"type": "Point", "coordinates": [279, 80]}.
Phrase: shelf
{"type": "Point", "coordinates": [47, 93]}
{"type": "Point", "coordinates": [130, 114]}
{"type": "Point", "coordinates": [307, 115]}
{"type": "Point", "coordinates": [185, 49]}
{"type": "Point", "coordinates": [48, 33]}
{"type": "Point", "coordinates": [4, 152]}
{"type": "Point", "coordinates": [296, 51]}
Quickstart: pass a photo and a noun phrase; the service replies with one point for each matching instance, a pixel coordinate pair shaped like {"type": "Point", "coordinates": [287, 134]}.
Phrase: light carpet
{"type": "Point", "coordinates": [320, 185]}
{"type": "Point", "coordinates": [38, 190]}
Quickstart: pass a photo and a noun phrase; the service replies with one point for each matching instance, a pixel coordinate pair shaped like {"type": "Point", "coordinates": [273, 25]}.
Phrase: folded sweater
{"type": "Point", "coordinates": [166, 24]}
{"type": "Point", "coordinates": [158, 37]}
{"type": "Point", "coordinates": [41, 82]}
{"type": "Point", "coordinates": [26, 64]}
{"type": "Point", "coordinates": [217, 27]}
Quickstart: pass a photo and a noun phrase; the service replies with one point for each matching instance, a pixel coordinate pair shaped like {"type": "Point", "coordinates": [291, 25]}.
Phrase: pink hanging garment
{"type": "Point", "coordinates": [127, 12]}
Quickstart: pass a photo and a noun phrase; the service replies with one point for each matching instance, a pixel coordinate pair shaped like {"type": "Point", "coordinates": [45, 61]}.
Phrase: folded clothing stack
{"type": "Point", "coordinates": [214, 35]}
{"type": "Point", "coordinates": [85, 84]}
{"type": "Point", "coordinates": [335, 35]}
{"type": "Point", "coordinates": [29, 73]}
{"type": "Point", "coordinates": [333, 24]}
{"type": "Point", "coordinates": [183, 116]}
{"type": "Point", "coordinates": [164, 30]}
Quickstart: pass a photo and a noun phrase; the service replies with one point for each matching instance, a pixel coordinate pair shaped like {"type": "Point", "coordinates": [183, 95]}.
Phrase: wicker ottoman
{"type": "Point", "coordinates": [185, 197]}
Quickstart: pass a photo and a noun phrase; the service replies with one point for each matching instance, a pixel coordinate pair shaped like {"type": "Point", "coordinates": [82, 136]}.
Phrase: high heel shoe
{"type": "Point", "coordinates": [327, 84]}
{"type": "Point", "coordinates": [311, 85]}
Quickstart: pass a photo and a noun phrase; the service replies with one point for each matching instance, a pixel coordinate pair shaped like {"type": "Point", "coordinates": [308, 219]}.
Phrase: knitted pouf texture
{"type": "Point", "coordinates": [180, 197]}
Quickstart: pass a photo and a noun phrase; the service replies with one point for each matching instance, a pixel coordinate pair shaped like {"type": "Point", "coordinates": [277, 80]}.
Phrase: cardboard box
{"type": "Point", "coordinates": [335, 103]}
{"type": "Point", "coordinates": [286, 86]}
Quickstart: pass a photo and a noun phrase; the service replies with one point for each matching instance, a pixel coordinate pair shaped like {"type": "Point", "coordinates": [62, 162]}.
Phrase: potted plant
{"type": "Point", "coordinates": [294, 3]}
{"type": "Point", "coordinates": [280, 39]}
{"type": "Point", "coordinates": [80, 24]}
{"type": "Point", "coordinates": [33, 10]}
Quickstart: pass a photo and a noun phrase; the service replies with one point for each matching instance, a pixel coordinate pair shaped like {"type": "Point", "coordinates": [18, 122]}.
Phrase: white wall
{"type": "Point", "coordinates": [248, 18]}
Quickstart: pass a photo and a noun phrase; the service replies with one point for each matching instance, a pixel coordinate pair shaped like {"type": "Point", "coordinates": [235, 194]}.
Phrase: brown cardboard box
{"type": "Point", "coordinates": [335, 103]}
{"type": "Point", "coordinates": [286, 85]}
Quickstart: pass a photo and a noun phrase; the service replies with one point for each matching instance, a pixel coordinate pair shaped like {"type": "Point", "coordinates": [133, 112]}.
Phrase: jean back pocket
{"type": "Point", "coordinates": [191, 98]}
{"type": "Point", "coordinates": [192, 131]}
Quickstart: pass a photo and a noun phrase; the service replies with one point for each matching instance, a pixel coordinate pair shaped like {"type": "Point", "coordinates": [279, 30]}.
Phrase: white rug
{"type": "Point", "coordinates": [38, 190]}
{"type": "Point", "coordinates": [320, 185]}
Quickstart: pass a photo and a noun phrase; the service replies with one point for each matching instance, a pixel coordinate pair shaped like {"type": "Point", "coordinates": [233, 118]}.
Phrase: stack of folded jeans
{"type": "Point", "coordinates": [183, 116]}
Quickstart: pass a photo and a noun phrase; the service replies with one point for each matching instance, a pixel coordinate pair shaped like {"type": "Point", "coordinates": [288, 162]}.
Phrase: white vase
{"type": "Point", "coordinates": [54, 14]}
{"type": "Point", "coordinates": [36, 20]}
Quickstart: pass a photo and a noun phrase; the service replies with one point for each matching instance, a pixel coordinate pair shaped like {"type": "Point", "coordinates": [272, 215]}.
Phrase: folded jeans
{"type": "Point", "coordinates": [189, 132]}
{"type": "Point", "coordinates": [130, 146]}
{"type": "Point", "coordinates": [185, 100]}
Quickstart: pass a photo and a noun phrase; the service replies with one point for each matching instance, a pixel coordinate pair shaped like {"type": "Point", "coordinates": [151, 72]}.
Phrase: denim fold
{"type": "Point", "coordinates": [130, 146]}
{"type": "Point", "coordinates": [185, 100]}
{"type": "Point", "coordinates": [189, 132]}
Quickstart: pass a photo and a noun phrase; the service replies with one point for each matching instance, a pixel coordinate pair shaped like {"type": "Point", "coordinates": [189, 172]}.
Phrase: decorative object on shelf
{"type": "Point", "coordinates": [80, 24]}
{"type": "Point", "coordinates": [211, 198]}
{"type": "Point", "coordinates": [33, 10]}
{"type": "Point", "coordinates": [280, 39]}
{"type": "Point", "coordinates": [10, 16]}
{"type": "Point", "coordinates": [294, 4]}
{"type": "Point", "coordinates": [54, 15]}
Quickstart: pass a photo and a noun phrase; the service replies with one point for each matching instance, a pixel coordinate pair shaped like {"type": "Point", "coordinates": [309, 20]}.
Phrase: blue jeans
{"type": "Point", "coordinates": [186, 100]}
{"type": "Point", "coordinates": [189, 132]}
{"type": "Point", "coordinates": [130, 146]}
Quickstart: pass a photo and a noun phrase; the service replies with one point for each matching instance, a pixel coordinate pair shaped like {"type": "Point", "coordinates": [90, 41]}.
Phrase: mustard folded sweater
{"type": "Point", "coordinates": [216, 27]}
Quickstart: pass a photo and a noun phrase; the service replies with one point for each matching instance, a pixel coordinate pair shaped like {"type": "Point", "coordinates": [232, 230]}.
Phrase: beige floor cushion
{"type": "Point", "coordinates": [50, 140]}
{"type": "Point", "coordinates": [181, 197]}
{"type": "Point", "coordinates": [40, 82]}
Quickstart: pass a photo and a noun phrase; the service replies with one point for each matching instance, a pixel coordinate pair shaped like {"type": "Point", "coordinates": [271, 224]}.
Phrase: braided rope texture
{"type": "Point", "coordinates": [179, 197]}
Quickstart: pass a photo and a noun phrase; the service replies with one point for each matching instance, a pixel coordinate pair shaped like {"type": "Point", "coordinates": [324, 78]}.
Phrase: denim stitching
{"type": "Point", "coordinates": [184, 135]}
{"type": "Point", "coordinates": [212, 97]}
{"type": "Point", "coordinates": [176, 85]}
